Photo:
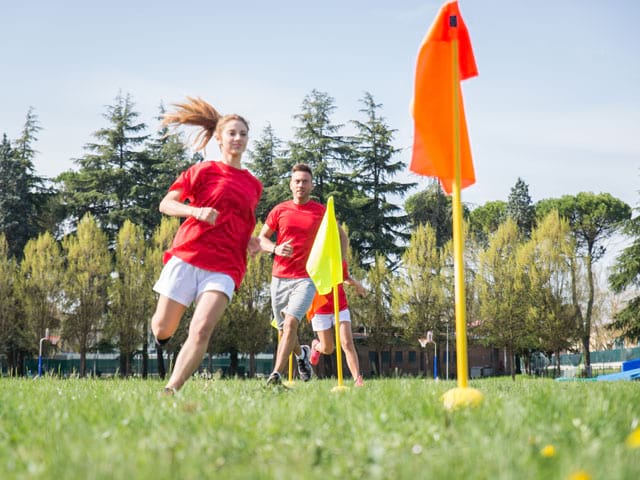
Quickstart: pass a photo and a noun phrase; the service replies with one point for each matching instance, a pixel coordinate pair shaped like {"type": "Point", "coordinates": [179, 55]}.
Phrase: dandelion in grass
{"type": "Point", "coordinates": [633, 440]}
{"type": "Point", "coordinates": [548, 451]}
{"type": "Point", "coordinates": [579, 475]}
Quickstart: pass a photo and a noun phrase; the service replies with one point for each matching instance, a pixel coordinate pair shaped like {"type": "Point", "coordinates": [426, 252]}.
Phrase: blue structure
{"type": "Point", "coordinates": [624, 375]}
{"type": "Point", "coordinates": [631, 364]}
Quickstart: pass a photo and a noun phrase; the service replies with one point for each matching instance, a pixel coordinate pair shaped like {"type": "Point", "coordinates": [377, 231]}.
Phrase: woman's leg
{"type": "Point", "coordinates": [209, 310]}
{"type": "Point", "coordinates": [326, 344]}
{"type": "Point", "coordinates": [346, 341]}
{"type": "Point", "coordinates": [166, 318]}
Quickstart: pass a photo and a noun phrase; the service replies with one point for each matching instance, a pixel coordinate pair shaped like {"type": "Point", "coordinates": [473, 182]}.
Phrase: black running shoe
{"type": "Point", "coordinates": [304, 365]}
{"type": "Point", "coordinates": [274, 379]}
{"type": "Point", "coordinates": [168, 392]}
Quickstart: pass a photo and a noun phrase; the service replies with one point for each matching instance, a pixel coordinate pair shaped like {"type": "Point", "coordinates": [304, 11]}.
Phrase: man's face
{"type": "Point", "coordinates": [301, 185]}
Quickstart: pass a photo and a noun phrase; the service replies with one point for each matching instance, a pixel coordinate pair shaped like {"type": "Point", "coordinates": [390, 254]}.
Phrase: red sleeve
{"type": "Point", "coordinates": [184, 182]}
{"type": "Point", "coordinates": [272, 219]}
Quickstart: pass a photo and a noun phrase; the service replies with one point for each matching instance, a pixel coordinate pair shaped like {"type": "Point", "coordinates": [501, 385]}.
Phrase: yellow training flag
{"type": "Point", "coordinates": [324, 265]}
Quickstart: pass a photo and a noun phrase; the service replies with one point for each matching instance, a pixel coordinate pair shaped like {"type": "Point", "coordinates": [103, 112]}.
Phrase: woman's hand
{"type": "Point", "coordinates": [254, 246]}
{"type": "Point", "coordinates": [360, 290]}
{"type": "Point", "coordinates": [206, 214]}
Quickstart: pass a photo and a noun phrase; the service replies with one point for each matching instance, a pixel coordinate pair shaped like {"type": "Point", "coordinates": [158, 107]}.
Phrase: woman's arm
{"type": "Point", "coordinates": [172, 206]}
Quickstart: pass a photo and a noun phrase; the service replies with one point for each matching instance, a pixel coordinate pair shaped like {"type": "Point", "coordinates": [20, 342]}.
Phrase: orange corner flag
{"type": "Point", "coordinates": [433, 102]}
{"type": "Point", "coordinates": [324, 265]}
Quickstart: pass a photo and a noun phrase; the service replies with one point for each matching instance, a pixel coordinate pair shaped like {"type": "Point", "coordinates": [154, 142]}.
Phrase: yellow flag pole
{"type": "Point", "coordinates": [336, 314]}
{"type": "Point", "coordinates": [291, 367]}
{"type": "Point", "coordinates": [458, 239]}
{"type": "Point", "coordinates": [461, 396]}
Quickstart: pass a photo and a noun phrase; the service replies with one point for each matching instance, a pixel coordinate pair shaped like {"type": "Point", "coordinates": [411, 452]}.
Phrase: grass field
{"type": "Point", "coordinates": [389, 429]}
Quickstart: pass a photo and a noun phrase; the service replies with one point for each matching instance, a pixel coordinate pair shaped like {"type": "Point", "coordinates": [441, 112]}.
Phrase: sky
{"type": "Point", "coordinates": [556, 102]}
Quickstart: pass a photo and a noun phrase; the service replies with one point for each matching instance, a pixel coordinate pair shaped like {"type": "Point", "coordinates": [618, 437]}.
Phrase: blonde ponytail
{"type": "Point", "coordinates": [198, 113]}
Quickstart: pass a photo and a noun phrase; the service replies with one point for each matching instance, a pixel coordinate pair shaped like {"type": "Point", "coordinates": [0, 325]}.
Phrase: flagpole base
{"type": "Point", "coordinates": [339, 388]}
{"type": "Point", "coordinates": [459, 397]}
{"type": "Point", "coordinates": [289, 383]}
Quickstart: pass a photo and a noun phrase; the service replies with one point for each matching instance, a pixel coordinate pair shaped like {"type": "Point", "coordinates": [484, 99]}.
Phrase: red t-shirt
{"type": "Point", "coordinates": [298, 223]}
{"type": "Point", "coordinates": [221, 247]}
{"type": "Point", "coordinates": [342, 297]}
{"type": "Point", "coordinates": [328, 306]}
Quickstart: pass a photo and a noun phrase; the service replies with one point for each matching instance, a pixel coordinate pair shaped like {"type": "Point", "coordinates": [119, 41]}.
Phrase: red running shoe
{"type": "Point", "coordinates": [315, 354]}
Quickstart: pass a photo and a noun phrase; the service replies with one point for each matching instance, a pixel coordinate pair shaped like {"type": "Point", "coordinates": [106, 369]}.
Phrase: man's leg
{"type": "Point", "coordinates": [288, 343]}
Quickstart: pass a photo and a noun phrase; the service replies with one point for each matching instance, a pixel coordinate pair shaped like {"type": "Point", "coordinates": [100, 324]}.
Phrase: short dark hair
{"type": "Point", "coordinates": [302, 167]}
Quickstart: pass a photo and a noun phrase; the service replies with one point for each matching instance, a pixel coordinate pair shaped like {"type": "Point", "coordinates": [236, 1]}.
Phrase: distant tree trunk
{"type": "Point", "coordinates": [160, 360]}
{"type": "Point", "coordinates": [587, 356]}
{"type": "Point", "coordinates": [252, 364]}
{"type": "Point", "coordinates": [124, 371]}
{"type": "Point", "coordinates": [512, 362]}
{"type": "Point", "coordinates": [83, 363]}
{"type": "Point", "coordinates": [233, 362]}
{"type": "Point", "coordinates": [145, 359]}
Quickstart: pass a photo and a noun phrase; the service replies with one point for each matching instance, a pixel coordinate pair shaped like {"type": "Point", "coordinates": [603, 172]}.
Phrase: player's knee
{"type": "Point", "coordinates": [290, 324]}
{"type": "Point", "coordinates": [328, 348]}
{"type": "Point", "coordinates": [346, 345]}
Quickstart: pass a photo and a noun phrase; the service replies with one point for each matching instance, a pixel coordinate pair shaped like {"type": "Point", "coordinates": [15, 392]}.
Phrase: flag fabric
{"type": "Point", "coordinates": [317, 302]}
{"type": "Point", "coordinates": [433, 102]}
{"type": "Point", "coordinates": [324, 264]}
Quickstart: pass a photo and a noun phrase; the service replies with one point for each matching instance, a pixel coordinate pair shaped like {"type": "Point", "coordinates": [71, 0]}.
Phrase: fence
{"type": "Point", "coordinates": [109, 365]}
{"type": "Point", "coordinates": [617, 355]}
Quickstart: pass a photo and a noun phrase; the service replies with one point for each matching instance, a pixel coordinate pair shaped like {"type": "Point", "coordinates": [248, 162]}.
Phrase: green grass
{"type": "Point", "coordinates": [389, 429]}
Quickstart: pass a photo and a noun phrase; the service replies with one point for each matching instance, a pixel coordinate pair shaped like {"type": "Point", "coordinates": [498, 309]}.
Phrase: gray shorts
{"type": "Point", "coordinates": [291, 296]}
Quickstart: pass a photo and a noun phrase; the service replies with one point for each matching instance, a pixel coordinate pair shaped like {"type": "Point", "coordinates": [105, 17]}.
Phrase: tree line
{"type": "Point", "coordinates": [79, 253]}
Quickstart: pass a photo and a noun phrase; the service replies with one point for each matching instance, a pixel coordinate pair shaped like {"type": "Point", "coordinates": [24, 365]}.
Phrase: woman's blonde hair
{"type": "Point", "coordinates": [198, 113]}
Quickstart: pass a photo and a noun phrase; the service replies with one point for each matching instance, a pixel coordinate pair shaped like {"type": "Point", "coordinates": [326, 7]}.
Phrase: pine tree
{"type": "Point", "coordinates": [317, 143]}
{"type": "Point", "coordinates": [376, 224]}
{"type": "Point", "coordinates": [269, 164]}
{"type": "Point", "coordinates": [105, 183]}
{"type": "Point", "coordinates": [520, 208]}
{"type": "Point", "coordinates": [21, 199]}
{"type": "Point", "coordinates": [157, 167]}
{"type": "Point", "coordinates": [626, 276]}
{"type": "Point", "coordinates": [14, 338]}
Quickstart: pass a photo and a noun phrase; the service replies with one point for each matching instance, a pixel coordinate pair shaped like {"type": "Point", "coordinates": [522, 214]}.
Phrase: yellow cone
{"type": "Point", "coordinates": [461, 397]}
{"type": "Point", "coordinates": [339, 388]}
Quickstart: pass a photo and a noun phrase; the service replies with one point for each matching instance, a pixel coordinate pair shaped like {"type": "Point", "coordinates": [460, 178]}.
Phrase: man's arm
{"type": "Point", "coordinates": [264, 237]}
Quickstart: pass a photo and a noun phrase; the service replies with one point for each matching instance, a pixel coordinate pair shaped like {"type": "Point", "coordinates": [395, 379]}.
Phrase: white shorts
{"type": "Point", "coordinates": [324, 321]}
{"type": "Point", "coordinates": [184, 283]}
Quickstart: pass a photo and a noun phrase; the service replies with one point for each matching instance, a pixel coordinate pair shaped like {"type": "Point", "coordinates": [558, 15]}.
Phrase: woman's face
{"type": "Point", "coordinates": [234, 137]}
